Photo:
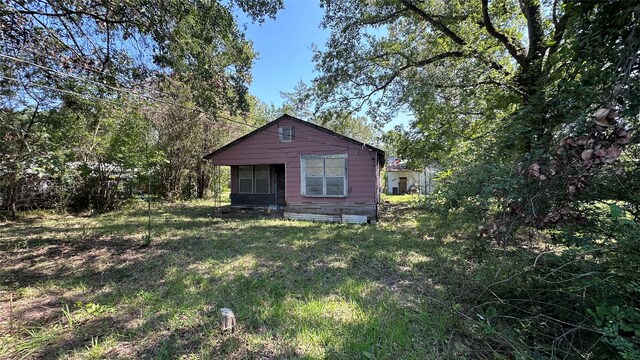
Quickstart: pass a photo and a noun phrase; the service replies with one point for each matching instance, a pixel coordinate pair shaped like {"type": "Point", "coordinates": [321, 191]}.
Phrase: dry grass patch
{"type": "Point", "coordinates": [86, 287]}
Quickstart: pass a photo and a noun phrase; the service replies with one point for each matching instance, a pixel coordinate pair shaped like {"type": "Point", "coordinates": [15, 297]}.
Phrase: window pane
{"type": "Point", "coordinates": [262, 171]}
{"type": "Point", "coordinates": [334, 181]}
{"type": "Point", "coordinates": [314, 171]}
{"type": "Point", "coordinates": [337, 163]}
{"type": "Point", "coordinates": [335, 185]}
{"type": "Point", "coordinates": [262, 186]}
{"type": "Point", "coordinates": [313, 186]}
{"type": "Point", "coordinates": [334, 167]}
{"type": "Point", "coordinates": [315, 181]}
{"type": "Point", "coordinates": [285, 133]}
{"type": "Point", "coordinates": [314, 167]}
{"type": "Point", "coordinates": [314, 190]}
{"type": "Point", "coordinates": [335, 171]}
{"type": "Point", "coordinates": [314, 162]}
{"type": "Point", "coordinates": [245, 186]}
{"type": "Point", "coordinates": [245, 172]}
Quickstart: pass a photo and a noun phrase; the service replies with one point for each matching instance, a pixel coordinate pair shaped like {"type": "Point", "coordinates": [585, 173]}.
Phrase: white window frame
{"type": "Point", "coordinates": [282, 136]}
{"type": "Point", "coordinates": [303, 181]}
{"type": "Point", "coordinates": [253, 180]}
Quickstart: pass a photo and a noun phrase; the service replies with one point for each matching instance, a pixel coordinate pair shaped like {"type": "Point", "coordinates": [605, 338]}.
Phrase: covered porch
{"type": "Point", "coordinates": [258, 186]}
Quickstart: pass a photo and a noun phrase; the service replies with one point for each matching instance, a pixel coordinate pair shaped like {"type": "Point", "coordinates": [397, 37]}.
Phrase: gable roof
{"type": "Point", "coordinates": [395, 164]}
{"type": "Point", "coordinates": [303, 122]}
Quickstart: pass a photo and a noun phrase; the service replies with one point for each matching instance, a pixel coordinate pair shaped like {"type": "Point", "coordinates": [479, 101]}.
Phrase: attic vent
{"type": "Point", "coordinates": [285, 133]}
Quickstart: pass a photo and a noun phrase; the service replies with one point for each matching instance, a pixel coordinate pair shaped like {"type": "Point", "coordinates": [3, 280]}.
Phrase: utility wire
{"type": "Point", "coordinates": [85, 96]}
{"type": "Point", "coordinates": [143, 96]}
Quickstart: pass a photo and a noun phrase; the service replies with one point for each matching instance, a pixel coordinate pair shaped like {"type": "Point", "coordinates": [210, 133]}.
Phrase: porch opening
{"type": "Point", "coordinates": [258, 185]}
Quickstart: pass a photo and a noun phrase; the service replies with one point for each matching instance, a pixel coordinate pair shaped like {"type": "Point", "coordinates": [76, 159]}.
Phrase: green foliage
{"type": "Point", "coordinates": [337, 291]}
{"type": "Point", "coordinates": [67, 315]}
{"type": "Point", "coordinates": [87, 89]}
{"type": "Point", "coordinates": [123, 43]}
{"type": "Point", "coordinates": [531, 110]}
{"type": "Point", "coordinates": [615, 320]}
{"type": "Point", "coordinates": [301, 103]}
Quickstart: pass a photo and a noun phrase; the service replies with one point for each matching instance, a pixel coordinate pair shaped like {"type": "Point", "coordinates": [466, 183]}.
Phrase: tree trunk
{"type": "Point", "coordinates": [11, 198]}
{"type": "Point", "coordinates": [203, 179]}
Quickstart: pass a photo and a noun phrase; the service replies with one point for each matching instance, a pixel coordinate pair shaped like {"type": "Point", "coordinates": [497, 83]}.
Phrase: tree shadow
{"type": "Point", "coordinates": [298, 289]}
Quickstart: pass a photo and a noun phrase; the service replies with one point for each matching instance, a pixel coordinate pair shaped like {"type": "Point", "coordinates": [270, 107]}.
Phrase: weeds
{"type": "Point", "coordinates": [298, 289]}
{"type": "Point", "coordinates": [66, 313]}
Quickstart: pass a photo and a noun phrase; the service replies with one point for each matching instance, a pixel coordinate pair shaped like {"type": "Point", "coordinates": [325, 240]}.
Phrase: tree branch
{"type": "Point", "coordinates": [480, 83]}
{"type": "Point", "coordinates": [394, 75]}
{"type": "Point", "coordinates": [68, 12]}
{"type": "Point", "coordinates": [437, 23]}
{"type": "Point", "coordinates": [531, 11]}
{"type": "Point", "coordinates": [560, 27]}
{"type": "Point", "coordinates": [515, 51]}
{"type": "Point", "coordinates": [377, 21]}
{"type": "Point", "coordinates": [433, 59]}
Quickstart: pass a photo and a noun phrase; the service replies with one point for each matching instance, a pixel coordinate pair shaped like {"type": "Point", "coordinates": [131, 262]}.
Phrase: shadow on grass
{"type": "Point", "coordinates": [299, 290]}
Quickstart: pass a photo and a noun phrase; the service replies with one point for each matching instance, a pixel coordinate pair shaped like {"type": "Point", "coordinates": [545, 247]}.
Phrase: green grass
{"type": "Point", "coordinates": [401, 199]}
{"type": "Point", "coordinates": [85, 287]}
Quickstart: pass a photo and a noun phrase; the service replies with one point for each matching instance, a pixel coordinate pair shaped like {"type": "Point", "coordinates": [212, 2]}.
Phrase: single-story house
{"type": "Point", "coordinates": [306, 170]}
{"type": "Point", "coordinates": [402, 180]}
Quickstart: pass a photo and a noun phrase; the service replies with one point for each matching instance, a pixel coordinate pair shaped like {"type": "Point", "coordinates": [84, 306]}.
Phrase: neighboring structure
{"type": "Point", "coordinates": [309, 171]}
{"type": "Point", "coordinates": [403, 180]}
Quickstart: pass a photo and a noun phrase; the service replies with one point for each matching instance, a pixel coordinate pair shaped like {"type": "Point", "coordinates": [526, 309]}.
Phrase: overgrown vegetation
{"type": "Point", "coordinates": [78, 287]}
{"type": "Point", "coordinates": [85, 287]}
{"type": "Point", "coordinates": [531, 110]}
{"type": "Point", "coordinates": [529, 248]}
{"type": "Point", "coordinates": [104, 100]}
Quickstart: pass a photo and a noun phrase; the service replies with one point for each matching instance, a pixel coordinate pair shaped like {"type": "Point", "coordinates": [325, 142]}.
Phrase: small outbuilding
{"type": "Point", "coordinates": [306, 170]}
{"type": "Point", "coordinates": [401, 179]}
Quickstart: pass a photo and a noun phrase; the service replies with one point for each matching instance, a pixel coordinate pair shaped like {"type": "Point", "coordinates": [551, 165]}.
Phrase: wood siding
{"type": "Point", "coordinates": [264, 147]}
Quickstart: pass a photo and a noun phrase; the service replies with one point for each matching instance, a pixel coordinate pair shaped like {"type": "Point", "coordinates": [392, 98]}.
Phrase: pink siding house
{"type": "Point", "coordinates": [305, 169]}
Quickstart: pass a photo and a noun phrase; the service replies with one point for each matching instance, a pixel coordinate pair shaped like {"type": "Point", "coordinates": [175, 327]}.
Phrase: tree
{"type": "Point", "coordinates": [298, 102]}
{"type": "Point", "coordinates": [433, 57]}
{"type": "Point", "coordinates": [493, 80]}
{"type": "Point", "coordinates": [55, 52]}
{"type": "Point", "coordinates": [124, 43]}
{"type": "Point", "coordinates": [184, 134]}
{"type": "Point", "coordinates": [260, 113]}
{"type": "Point", "coordinates": [345, 123]}
{"type": "Point", "coordinates": [531, 108]}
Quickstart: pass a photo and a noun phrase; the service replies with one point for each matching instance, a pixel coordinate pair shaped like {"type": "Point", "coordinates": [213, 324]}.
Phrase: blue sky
{"type": "Point", "coordinates": [284, 50]}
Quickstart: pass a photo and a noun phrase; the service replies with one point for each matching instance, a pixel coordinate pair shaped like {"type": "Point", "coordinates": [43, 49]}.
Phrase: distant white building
{"type": "Point", "coordinates": [403, 180]}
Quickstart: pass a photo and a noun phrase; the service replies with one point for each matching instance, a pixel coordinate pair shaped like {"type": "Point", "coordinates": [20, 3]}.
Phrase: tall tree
{"type": "Point", "coordinates": [532, 108]}
{"type": "Point", "coordinates": [123, 43]}
{"type": "Point", "coordinates": [455, 57]}
{"type": "Point", "coordinates": [105, 51]}
{"type": "Point", "coordinates": [500, 77]}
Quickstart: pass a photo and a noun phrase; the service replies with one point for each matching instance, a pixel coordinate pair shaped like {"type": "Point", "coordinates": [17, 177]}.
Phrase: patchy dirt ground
{"type": "Point", "coordinates": [86, 287]}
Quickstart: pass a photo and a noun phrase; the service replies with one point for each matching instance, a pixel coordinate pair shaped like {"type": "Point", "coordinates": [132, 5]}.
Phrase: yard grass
{"type": "Point", "coordinates": [400, 199]}
{"type": "Point", "coordinates": [86, 287]}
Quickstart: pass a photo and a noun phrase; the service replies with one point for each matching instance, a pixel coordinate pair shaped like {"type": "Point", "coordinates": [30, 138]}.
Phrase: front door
{"type": "Point", "coordinates": [403, 185]}
{"type": "Point", "coordinates": [280, 184]}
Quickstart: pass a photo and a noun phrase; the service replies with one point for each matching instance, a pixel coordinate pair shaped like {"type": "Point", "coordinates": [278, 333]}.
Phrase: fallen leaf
{"type": "Point", "coordinates": [587, 154]}
{"type": "Point", "coordinates": [601, 114]}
